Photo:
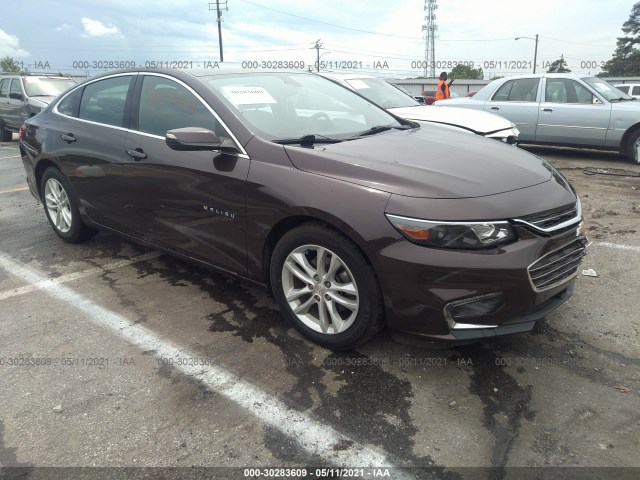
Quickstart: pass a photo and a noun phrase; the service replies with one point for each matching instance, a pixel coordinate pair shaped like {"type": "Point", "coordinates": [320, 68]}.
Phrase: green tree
{"type": "Point", "coordinates": [466, 72]}
{"type": "Point", "coordinates": [8, 64]}
{"type": "Point", "coordinates": [559, 66]}
{"type": "Point", "coordinates": [626, 58]}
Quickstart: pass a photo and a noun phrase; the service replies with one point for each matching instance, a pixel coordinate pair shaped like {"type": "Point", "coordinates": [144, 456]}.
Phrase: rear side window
{"type": "Point", "coordinates": [71, 103]}
{"type": "Point", "coordinates": [636, 90]}
{"type": "Point", "coordinates": [4, 87]}
{"type": "Point", "coordinates": [165, 105]}
{"type": "Point", "coordinates": [519, 90]}
{"type": "Point", "coordinates": [104, 101]}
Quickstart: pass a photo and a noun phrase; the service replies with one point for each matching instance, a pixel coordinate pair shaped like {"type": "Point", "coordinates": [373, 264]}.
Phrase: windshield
{"type": "Point", "coordinates": [290, 105]}
{"type": "Point", "coordinates": [381, 92]}
{"type": "Point", "coordinates": [46, 86]}
{"type": "Point", "coordinates": [604, 88]}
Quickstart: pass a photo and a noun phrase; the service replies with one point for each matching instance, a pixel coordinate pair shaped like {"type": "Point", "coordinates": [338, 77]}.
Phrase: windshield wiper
{"type": "Point", "coordinates": [308, 140]}
{"type": "Point", "coordinates": [381, 128]}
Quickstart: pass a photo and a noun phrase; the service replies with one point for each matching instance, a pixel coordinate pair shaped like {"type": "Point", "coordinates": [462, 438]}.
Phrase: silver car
{"type": "Point", "coordinates": [404, 105]}
{"type": "Point", "coordinates": [563, 109]}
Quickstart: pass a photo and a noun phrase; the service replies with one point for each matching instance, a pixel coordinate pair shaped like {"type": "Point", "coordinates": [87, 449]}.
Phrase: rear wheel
{"type": "Point", "coordinates": [61, 207]}
{"type": "Point", "coordinates": [325, 287]}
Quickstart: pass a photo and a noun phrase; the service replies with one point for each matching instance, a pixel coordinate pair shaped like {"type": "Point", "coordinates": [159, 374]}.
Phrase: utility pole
{"type": "Point", "coordinates": [318, 46]}
{"type": "Point", "coordinates": [219, 16]}
{"type": "Point", "coordinates": [429, 28]}
{"type": "Point", "coordinates": [535, 52]}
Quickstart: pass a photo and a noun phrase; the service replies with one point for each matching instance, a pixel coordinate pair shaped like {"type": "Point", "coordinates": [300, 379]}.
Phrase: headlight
{"type": "Point", "coordinates": [461, 235]}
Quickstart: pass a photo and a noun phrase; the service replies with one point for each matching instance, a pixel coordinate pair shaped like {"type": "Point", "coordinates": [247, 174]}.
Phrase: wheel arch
{"type": "Point", "coordinates": [628, 134]}
{"type": "Point", "coordinates": [293, 221]}
{"type": "Point", "coordinates": [41, 166]}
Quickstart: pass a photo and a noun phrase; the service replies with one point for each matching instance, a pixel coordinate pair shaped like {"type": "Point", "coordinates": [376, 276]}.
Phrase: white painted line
{"type": "Point", "coordinates": [69, 277]}
{"type": "Point", "coordinates": [619, 247]}
{"type": "Point", "coordinates": [17, 189]}
{"type": "Point", "coordinates": [312, 435]}
{"type": "Point", "coordinates": [12, 156]}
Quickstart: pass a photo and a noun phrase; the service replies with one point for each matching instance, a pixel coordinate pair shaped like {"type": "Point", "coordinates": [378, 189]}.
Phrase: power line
{"type": "Point", "coordinates": [577, 43]}
{"type": "Point", "coordinates": [330, 24]}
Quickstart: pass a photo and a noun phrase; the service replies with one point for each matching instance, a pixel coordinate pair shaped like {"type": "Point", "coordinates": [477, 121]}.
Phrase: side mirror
{"type": "Point", "coordinates": [596, 101]}
{"type": "Point", "coordinates": [15, 96]}
{"type": "Point", "coordinates": [195, 138]}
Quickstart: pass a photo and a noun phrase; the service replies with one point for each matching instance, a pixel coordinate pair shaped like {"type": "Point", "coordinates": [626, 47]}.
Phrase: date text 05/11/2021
{"type": "Point", "coordinates": [298, 64]}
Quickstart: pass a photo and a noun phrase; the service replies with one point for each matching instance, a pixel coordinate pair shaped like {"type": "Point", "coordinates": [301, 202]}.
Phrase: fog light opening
{"type": "Point", "coordinates": [459, 313]}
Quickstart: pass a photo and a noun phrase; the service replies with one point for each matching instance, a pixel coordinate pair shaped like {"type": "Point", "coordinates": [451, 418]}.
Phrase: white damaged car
{"type": "Point", "coordinates": [399, 103]}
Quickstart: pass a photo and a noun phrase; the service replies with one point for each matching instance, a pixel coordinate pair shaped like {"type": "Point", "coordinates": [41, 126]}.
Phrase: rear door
{"type": "Point", "coordinates": [90, 131]}
{"type": "Point", "coordinates": [15, 107]}
{"type": "Point", "coordinates": [518, 100]}
{"type": "Point", "coordinates": [572, 114]}
{"type": "Point", "coordinates": [4, 101]}
{"type": "Point", "coordinates": [192, 202]}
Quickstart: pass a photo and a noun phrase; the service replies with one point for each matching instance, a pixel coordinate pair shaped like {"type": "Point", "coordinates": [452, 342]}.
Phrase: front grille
{"type": "Point", "coordinates": [558, 266]}
{"type": "Point", "coordinates": [550, 219]}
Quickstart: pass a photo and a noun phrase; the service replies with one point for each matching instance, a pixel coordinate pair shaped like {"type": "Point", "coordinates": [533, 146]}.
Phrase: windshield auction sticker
{"type": "Point", "coordinates": [248, 95]}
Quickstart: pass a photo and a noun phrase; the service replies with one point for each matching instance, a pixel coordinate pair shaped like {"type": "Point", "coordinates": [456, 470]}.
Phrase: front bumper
{"type": "Point", "coordinates": [420, 283]}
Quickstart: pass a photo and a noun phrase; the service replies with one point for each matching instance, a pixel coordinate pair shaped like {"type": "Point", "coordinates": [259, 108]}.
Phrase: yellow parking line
{"type": "Point", "coordinates": [19, 189]}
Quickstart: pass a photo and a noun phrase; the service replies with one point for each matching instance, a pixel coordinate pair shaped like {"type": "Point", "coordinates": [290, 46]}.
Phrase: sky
{"type": "Point", "coordinates": [380, 38]}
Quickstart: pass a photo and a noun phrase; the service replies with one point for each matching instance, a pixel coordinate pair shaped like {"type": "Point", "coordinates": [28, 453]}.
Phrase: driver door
{"type": "Point", "coordinates": [191, 202]}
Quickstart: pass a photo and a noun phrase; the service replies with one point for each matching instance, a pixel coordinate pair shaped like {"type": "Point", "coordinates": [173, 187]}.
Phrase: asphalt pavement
{"type": "Point", "coordinates": [116, 355]}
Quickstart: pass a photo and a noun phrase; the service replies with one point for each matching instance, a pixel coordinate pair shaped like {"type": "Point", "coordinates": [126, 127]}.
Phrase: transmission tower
{"type": "Point", "coordinates": [429, 28]}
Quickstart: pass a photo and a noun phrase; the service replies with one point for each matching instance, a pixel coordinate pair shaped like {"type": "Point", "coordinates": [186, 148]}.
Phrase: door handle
{"type": "Point", "coordinates": [547, 109]}
{"type": "Point", "coordinates": [69, 138]}
{"type": "Point", "coordinates": [495, 108]}
{"type": "Point", "coordinates": [137, 154]}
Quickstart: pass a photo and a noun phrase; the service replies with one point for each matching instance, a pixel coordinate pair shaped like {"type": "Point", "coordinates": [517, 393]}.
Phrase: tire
{"type": "Point", "coordinates": [337, 302]}
{"type": "Point", "coordinates": [61, 207]}
{"type": "Point", "coordinates": [5, 135]}
{"type": "Point", "coordinates": [630, 149]}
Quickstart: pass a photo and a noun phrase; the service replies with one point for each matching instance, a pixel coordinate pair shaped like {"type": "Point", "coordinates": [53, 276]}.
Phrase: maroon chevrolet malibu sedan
{"type": "Point", "coordinates": [355, 219]}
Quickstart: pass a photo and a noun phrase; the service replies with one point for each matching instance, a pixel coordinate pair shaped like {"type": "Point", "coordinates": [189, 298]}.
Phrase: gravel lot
{"type": "Point", "coordinates": [132, 358]}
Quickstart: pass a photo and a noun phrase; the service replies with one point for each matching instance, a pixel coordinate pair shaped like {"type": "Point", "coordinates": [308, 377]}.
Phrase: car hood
{"type": "Point", "coordinates": [628, 106]}
{"type": "Point", "coordinates": [482, 123]}
{"type": "Point", "coordinates": [430, 162]}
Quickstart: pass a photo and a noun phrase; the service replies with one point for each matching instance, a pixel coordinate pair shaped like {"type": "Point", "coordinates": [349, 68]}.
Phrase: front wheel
{"type": "Point", "coordinates": [633, 147]}
{"type": "Point", "coordinates": [61, 207]}
{"type": "Point", "coordinates": [325, 287]}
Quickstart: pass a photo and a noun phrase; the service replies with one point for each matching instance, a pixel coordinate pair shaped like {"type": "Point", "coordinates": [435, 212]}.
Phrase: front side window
{"type": "Point", "coordinates": [623, 88]}
{"type": "Point", "coordinates": [563, 90]}
{"type": "Point", "coordinates": [519, 90]}
{"type": "Point", "coordinates": [166, 105]}
{"type": "Point", "coordinates": [104, 101]}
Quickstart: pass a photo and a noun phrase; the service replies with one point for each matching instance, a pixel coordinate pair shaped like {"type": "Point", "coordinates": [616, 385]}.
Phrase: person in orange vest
{"type": "Point", "coordinates": [442, 92]}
